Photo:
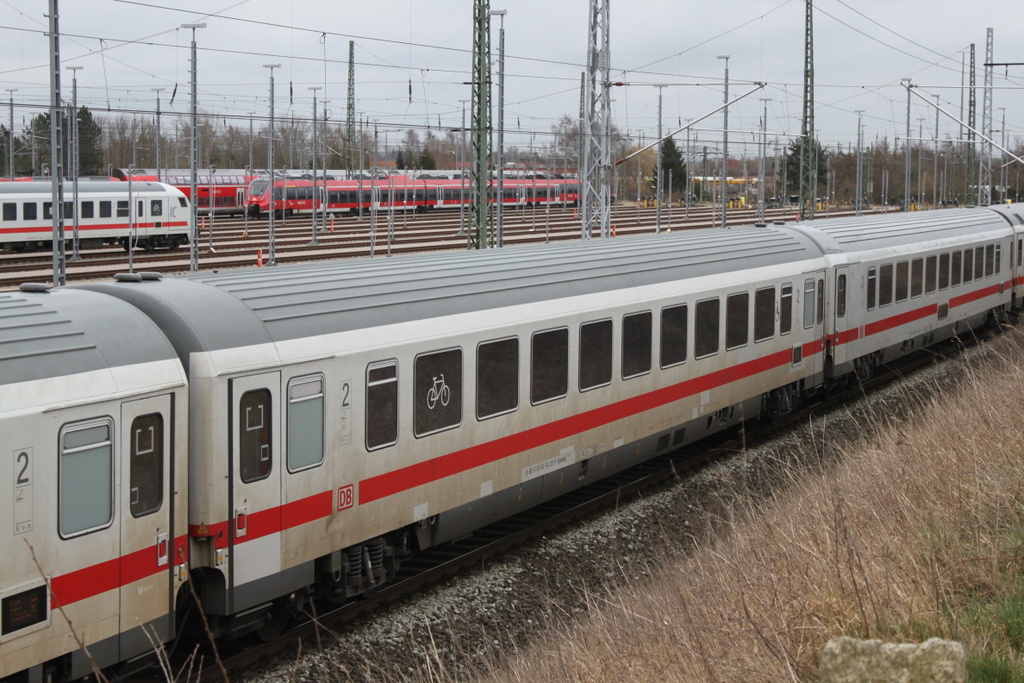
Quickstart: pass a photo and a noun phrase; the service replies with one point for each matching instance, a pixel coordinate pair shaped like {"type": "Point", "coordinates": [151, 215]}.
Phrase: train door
{"type": "Point", "coordinates": [239, 197]}
{"type": "Point", "coordinates": [838, 320]}
{"type": "Point", "coordinates": [147, 536]}
{"type": "Point", "coordinates": [812, 351]}
{"type": "Point", "coordinates": [255, 483]}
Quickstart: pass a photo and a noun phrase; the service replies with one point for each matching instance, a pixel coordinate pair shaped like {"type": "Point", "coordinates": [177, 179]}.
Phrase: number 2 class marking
{"type": "Point", "coordinates": [22, 478]}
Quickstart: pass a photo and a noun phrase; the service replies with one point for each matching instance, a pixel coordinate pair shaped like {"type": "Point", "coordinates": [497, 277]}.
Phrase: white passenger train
{"type": "Point", "coordinates": [159, 217]}
{"type": "Point", "coordinates": [287, 434]}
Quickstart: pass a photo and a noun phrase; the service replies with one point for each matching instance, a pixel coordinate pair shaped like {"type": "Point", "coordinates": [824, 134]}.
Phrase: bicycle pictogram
{"type": "Point", "coordinates": [438, 392]}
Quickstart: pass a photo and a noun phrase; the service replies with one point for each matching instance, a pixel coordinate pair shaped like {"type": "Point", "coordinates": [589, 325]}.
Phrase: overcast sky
{"type": "Point", "coordinates": [414, 57]}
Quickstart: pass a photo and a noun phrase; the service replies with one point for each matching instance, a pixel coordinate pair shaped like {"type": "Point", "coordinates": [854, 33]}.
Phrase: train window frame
{"type": "Point", "coordinates": [990, 260]}
{"type": "Point", "coordinates": [10, 211]}
{"type": "Point", "coordinates": [63, 451]}
{"type": "Point", "coordinates": [106, 209]}
{"type": "Point", "coordinates": [786, 309]}
{"type": "Point", "coordinates": [87, 210]}
{"type": "Point", "coordinates": [122, 208]}
{"type": "Point", "coordinates": [698, 327]}
{"type": "Point", "coordinates": [956, 268]}
{"type": "Point", "coordinates": [916, 278]}
{"type": "Point", "coordinates": [156, 208]}
{"type": "Point", "coordinates": [885, 284]}
{"type": "Point", "coordinates": [534, 369]}
{"type": "Point", "coordinates": [29, 211]}
{"type": "Point", "coordinates": [943, 271]}
{"type": "Point", "coordinates": [153, 467]}
{"type": "Point", "coordinates": [841, 295]}
{"type": "Point", "coordinates": [296, 396]}
{"type": "Point", "coordinates": [588, 355]}
{"type": "Point", "coordinates": [872, 287]}
{"type": "Point", "coordinates": [737, 320]}
{"type": "Point", "coordinates": [266, 422]}
{"type": "Point", "coordinates": [631, 344]}
{"type": "Point", "coordinates": [482, 377]}
{"type": "Point", "coordinates": [455, 391]}
{"type": "Point", "coordinates": [999, 258]}
{"type": "Point", "coordinates": [809, 291]}
{"type": "Point", "coordinates": [667, 343]}
{"type": "Point", "coordinates": [968, 265]}
{"type": "Point", "coordinates": [821, 301]}
{"type": "Point", "coordinates": [902, 281]}
{"type": "Point", "coordinates": [979, 263]}
{"type": "Point", "coordinates": [931, 265]}
{"type": "Point", "coordinates": [382, 382]}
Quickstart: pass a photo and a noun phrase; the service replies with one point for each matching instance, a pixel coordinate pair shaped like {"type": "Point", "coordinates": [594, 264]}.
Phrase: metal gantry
{"type": "Point", "coordinates": [350, 119]}
{"type": "Point", "coordinates": [74, 160]}
{"type": "Point", "coordinates": [271, 255]}
{"type": "Point", "coordinates": [480, 125]}
{"type": "Point", "coordinates": [808, 147]}
{"type": "Point", "coordinates": [500, 238]}
{"type": "Point", "coordinates": [193, 240]}
{"type": "Point", "coordinates": [56, 151]}
{"type": "Point", "coordinates": [985, 159]}
{"type": "Point", "coordinates": [596, 179]}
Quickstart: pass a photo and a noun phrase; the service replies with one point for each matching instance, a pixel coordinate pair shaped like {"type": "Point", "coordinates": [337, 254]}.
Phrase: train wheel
{"type": "Point", "coordinates": [173, 243]}
{"type": "Point", "coordinates": [149, 245]}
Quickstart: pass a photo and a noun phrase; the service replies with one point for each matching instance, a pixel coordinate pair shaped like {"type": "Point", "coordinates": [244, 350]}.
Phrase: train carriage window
{"type": "Point", "coordinates": [943, 271]}
{"type": "Point", "coordinates": [255, 456]}
{"type": "Point", "coordinates": [673, 335]}
{"type": "Point", "coordinates": [706, 328]}
{"type": "Point", "coordinates": [930, 272]}
{"type": "Point", "coordinates": [305, 422]}
{"type": "Point", "coordinates": [821, 300]}
{"type": "Point", "coordinates": [902, 280]}
{"type": "Point", "coordinates": [990, 260]}
{"type": "Point", "coordinates": [497, 378]}
{"type": "Point", "coordinates": [916, 277]}
{"type": "Point", "coordinates": [140, 209]}
{"type": "Point", "coordinates": [737, 320]}
{"type": "Point", "coordinates": [885, 285]}
{"type": "Point", "coordinates": [10, 211]}
{"type": "Point", "coordinates": [956, 271]}
{"type": "Point", "coordinates": [156, 207]}
{"type": "Point", "coordinates": [86, 478]}
{"type": "Point", "coordinates": [122, 208]}
{"type": "Point", "coordinates": [30, 211]}
{"type": "Point", "coordinates": [549, 367]}
{"type": "Point", "coordinates": [437, 392]}
{"type": "Point", "coordinates": [764, 314]}
{"type": "Point", "coordinates": [47, 211]}
{"type": "Point", "coordinates": [999, 254]}
{"type": "Point", "coordinates": [146, 467]}
{"type": "Point", "coordinates": [1020, 251]}
{"type": "Point", "coordinates": [595, 354]}
{"type": "Point", "coordinates": [968, 265]}
{"type": "Point", "coordinates": [841, 295]}
{"type": "Point", "coordinates": [88, 210]}
{"type": "Point", "coordinates": [979, 263]}
{"type": "Point", "coordinates": [381, 405]}
{"type": "Point", "coordinates": [872, 287]}
{"type": "Point", "coordinates": [636, 344]}
{"type": "Point", "coordinates": [786, 309]}
{"type": "Point", "coordinates": [808, 303]}
{"type": "Point", "coordinates": [106, 209]}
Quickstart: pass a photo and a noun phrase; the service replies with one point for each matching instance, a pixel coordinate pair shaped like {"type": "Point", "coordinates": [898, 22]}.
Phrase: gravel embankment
{"type": "Point", "coordinates": [461, 627]}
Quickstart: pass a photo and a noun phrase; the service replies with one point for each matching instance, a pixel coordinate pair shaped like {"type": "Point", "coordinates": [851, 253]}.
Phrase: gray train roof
{"type": "Point", "coordinates": [208, 312]}
{"type": "Point", "coordinates": [84, 187]}
{"type": "Point", "coordinates": [881, 231]}
{"type": "Point", "coordinates": [66, 331]}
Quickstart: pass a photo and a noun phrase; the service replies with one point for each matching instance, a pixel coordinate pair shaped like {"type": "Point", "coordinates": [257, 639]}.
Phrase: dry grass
{"type": "Point", "coordinates": [916, 533]}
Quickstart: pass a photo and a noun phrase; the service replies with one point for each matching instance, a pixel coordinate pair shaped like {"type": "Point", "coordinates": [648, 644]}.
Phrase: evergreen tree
{"type": "Point", "coordinates": [793, 165]}
{"type": "Point", "coordinates": [672, 159]}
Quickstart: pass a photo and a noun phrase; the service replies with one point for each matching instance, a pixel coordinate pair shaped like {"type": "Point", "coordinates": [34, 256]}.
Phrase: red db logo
{"type": "Point", "coordinates": [346, 497]}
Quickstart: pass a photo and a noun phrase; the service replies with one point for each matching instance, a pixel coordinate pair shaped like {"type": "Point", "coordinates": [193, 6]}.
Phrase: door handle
{"type": "Point", "coordinates": [162, 550]}
{"type": "Point", "coordinates": [241, 521]}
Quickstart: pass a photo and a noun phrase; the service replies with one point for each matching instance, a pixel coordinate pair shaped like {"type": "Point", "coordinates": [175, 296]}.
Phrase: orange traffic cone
{"type": "Point", "coordinates": [259, 258]}
{"type": "Point", "coordinates": [613, 230]}
{"type": "Point", "coordinates": [202, 224]}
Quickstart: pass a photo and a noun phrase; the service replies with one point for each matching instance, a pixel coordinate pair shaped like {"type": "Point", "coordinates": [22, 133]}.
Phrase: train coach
{"type": "Point", "coordinates": [335, 418]}
{"type": "Point", "coordinates": [159, 217]}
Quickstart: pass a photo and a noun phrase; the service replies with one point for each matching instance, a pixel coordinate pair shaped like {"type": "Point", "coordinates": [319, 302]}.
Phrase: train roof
{"type": "Point", "coordinates": [84, 187]}
{"type": "Point", "coordinates": [65, 331]}
{"type": "Point", "coordinates": [209, 311]}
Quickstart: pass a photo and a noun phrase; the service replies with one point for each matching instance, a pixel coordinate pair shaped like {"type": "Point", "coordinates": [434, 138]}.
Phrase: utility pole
{"type": "Point", "coordinates": [1002, 160]}
{"type": "Point", "coordinates": [159, 174]}
{"type": "Point", "coordinates": [597, 155]}
{"type": "Point", "coordinates": [193, 165]}
{"type": "Point", "coordinates": [972, 110]}
{"type": "Point", "coordinates": [74, 160]}
{"type": "Point", "coordinates": [350, 120]}
{"type": "Point", "coordinates": [935, 159]}
{"type": "Point", "coordinates": [56, 151]}
{"type": "Point", "coordinates": [860, 177]}
{"type": "Point", "coordinates": [10, 136]}
{"type": "Point", "coordinates": [661, 170]}
{"type": "Point", "coordinates": [985, 161]}
{"type": "Point", "coordinates": [808, 148]}
{"type": "Point", "coordinates": [476, 237]}
{"type": "Point", "coordinates": [271, 260]}
{"type": "Point", "coordinates": [725, 146]}
{"type": "Point", "coordinates": [906, 152]}
{"type": "Point", "coordinates": [501, 125]}
{"type": "Point", "coordinates": [314, 241]}
{"type": "Point", "coordinates": [761, 161]}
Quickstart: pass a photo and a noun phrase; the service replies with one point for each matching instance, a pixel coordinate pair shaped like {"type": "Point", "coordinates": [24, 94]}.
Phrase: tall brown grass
{"type": "Point", "coordinates": [913, 533]}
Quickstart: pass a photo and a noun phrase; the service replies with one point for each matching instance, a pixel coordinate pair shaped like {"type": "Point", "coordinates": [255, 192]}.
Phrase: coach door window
{"type": "Point", "coordinates": [929, 274]}
{"type": "Point", "coordinates": [122, 208]}
{"type": "Point", "coordinates": [497, 378]}
{"type": "Point", "coordinates": [841, 295]}
{"type": "Point", "coordinates": [10, 211]}
{"type": "Point", "coordinates": [549, 369]}
{"type": "Point", "coordinates": [902, 280]}
{"type": "Point", "coordinates": [255, 459]}
{"type": "Point", "coordinates": [808, 304]}
{"type": "Point", "coordinates": [764, 314]}
{"type": "Point", "coordinates": [595, 354]}
{"type": "Point", "coordinates": [636, 344]}
{"type": "Point", "coordinates": [305, 422]}
{"type": "Point", "coordinates": [673, 335]}
{"type": "Point", "coordinates": [106, 209]}
{"type": "Point", "coordinates": [86, 478]}
{"type": "Point", "coordinates": [979, 263]}
{"type": "Point", "coordinates": [147, 464]}
{"type": "Point", "coordinates": [381, 405]}
{"type": "Point", "coordinates": [786, 309]}
{"type": "Point", "coordinates": [916, 277]}
{"type": "Point", "coordinates": [88, 210]}
{"type": "Point", "coordinates": [885, 285]}
{"type": "Point", "coordinates": [990, 260]}
{"type": "Point", "coordinates": [437, 392]}
{"type": "Point", "coordinates": [955, 270]}
{"type": "Point", "coordinates": [705, 328]}
{"type": "Point", "coordinates": [968, 265]}
{"type": "Point", "coordinates": [872, 287]}
{"type": "Point", "coordinates": [999, 255]}
{"type": "Point", "coordinates": [737, 320]}
{"type": "Point", "coordinates": [821, 300]}
{"type": "Point", "coordinates": [943, 271]}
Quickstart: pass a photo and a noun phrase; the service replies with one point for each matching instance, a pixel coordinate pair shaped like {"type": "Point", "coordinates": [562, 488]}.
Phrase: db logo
{"type": "Point", "coordinates": [346, 497]}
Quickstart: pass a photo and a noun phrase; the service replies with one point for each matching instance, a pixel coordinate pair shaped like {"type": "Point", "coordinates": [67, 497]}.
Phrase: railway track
{"type": "Point", "coordinates": [237, 243]}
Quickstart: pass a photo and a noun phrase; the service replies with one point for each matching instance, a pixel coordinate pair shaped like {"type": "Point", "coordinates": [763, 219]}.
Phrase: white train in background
{"type": "Point", "coordinates": [288, 434]}
{"type": "Point", "coordinates": [106, 215]}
